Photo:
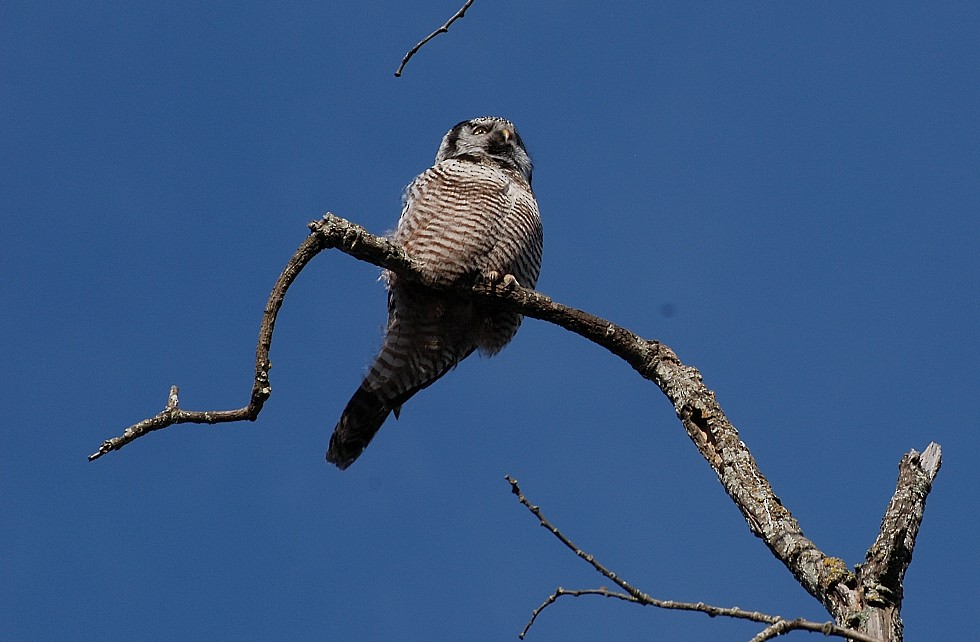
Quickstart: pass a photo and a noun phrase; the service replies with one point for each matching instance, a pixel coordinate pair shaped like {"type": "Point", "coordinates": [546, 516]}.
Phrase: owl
{"type": "Point", "coordinates": [472, 215]}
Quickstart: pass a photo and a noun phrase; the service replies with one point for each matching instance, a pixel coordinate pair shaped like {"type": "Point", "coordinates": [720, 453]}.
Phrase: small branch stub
{"type": "Point", "coordinates": [170, 415]}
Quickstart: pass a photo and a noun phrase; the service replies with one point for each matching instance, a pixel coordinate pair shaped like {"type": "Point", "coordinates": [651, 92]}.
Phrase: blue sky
{"type": "Point", "coordinates": [784, 193]}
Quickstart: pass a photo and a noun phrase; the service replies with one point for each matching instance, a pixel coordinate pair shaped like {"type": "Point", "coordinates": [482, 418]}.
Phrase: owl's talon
{"type": "Point", "coordinates": [508, 281]}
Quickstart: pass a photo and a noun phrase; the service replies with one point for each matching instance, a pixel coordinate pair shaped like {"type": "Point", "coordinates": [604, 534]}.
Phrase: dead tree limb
{"type": "Point", "coordinates": [875, 602]}
{"type": "Point", "coordinates": [443, 29]}
{"type": "Point", "coordinates": [776, 625]}
{"type": "Point", "coordinates": [868, 598]}
{"type": "Point", "coordinates": [261, 389]}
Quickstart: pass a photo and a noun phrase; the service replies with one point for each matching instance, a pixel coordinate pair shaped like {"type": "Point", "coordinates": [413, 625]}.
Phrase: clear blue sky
{"type": "Point", "coordinates": [785, 193]}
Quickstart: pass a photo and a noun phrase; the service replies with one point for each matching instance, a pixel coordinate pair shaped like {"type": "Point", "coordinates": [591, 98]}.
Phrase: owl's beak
{"type": "Point", "coordinates": [507, 134]}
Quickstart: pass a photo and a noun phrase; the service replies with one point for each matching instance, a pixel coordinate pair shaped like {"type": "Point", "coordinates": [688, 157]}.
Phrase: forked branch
{"type": "Point", "coordinates": [873, 594]}
{"type": "Point", "coordinates": [777, 625]}
{"type": "Point", "coordinates": [261, 389]}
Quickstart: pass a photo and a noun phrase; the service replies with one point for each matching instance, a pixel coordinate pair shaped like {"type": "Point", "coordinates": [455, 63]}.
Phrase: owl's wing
{"type": "Point", "coordinates": [519, 239]}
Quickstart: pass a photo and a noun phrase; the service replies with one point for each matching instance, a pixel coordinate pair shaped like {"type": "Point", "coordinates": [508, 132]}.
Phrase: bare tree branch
{"type": "Point", "coordinates": [560, 592]}
{"type": "Point", "coordinates": [778, 625]}
{"type": "Point", "coordinates": [851, 600]}
{"type": "Point", "coordinates": [785, 626]}
{"type": "Point", "coordinates": [261, 388]}
{"type": "Point", "coordinates": [880, 578]}
{"type": "Point", "coordinates": [443, 29]}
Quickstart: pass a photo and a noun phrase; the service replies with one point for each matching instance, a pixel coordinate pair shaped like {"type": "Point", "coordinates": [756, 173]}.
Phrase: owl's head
{"type": "Point", "coordinates": [487, 137]}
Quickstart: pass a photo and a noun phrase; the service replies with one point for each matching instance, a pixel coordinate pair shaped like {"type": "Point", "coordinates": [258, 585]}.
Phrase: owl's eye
{"type": "Point", "coordinates": [480, 130]}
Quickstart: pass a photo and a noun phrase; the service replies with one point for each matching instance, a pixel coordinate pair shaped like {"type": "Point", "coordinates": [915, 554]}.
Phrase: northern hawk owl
{"type": "Point", "coordinates": [471, 215]}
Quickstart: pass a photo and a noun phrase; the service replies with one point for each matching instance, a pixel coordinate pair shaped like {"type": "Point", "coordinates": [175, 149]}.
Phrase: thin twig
{"type": "Point", "coordinates": [783, 627]}
{"type": "Point", "coordinates": [778, 625]}
{"type": "Point", "coordinates": [173, 414]}
{"type": "Point", "coordinates": [560, 592]}
{"type": "Point", "coordinates": [443, 29]}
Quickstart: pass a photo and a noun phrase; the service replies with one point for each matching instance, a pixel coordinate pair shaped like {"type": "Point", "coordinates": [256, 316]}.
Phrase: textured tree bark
{"type": "Point", "coordinates": [867, 599]}
{"type": "Point", "coordinates": [872, 601]}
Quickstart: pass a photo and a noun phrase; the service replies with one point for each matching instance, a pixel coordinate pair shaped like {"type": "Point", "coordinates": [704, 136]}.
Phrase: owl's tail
{"type": "Point", "coordinates": [362, 418]}
{"type": "Point", "coordinates": [428, 334]}
{"type": "Point", "coordinates": [368, 409]}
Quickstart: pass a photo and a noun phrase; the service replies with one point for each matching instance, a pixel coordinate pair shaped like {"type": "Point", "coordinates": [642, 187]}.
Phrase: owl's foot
{"type": "Point", "coordinates": [508, 281]}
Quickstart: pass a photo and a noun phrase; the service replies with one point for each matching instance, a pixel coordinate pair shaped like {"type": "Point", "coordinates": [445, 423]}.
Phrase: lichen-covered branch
{"type": "Point", "coordinates": [846, 595]}
{"type": "Point", "coordinates": [875, 601]}
{"type": "Point", "coordinates": [694, 403]}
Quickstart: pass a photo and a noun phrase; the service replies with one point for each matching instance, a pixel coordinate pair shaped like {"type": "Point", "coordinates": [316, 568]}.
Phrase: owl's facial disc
{"type": "Point", "coordinates": [489, 137]}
